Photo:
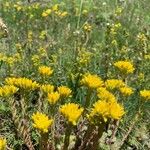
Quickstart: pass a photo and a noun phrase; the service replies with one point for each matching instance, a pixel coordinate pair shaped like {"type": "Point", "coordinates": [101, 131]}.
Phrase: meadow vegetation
{"type": "Point", "coordinates": [74, 75]}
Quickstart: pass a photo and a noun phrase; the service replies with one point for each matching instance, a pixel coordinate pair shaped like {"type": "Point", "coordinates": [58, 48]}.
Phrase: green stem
{"type": "Point", "coordinates": [81, 5]}
{"type": "Point", "coordinates": [88, 98]}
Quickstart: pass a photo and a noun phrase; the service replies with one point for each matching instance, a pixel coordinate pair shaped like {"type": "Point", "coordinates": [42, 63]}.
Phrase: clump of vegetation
{"type": "Point", "coordinates": [74, 75]}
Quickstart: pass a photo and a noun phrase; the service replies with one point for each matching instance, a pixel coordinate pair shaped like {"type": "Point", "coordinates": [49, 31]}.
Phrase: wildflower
{"type": "Point", "coordinates": [114, 84]}
{"type": "Point", "coordinates": [46, 13]}
{"type": "Point", "coordinates": [141, 38]}
{"type": "Point", "coordinates": [2, 144]}
{"type": "Point", "coordinates": [147, 56]}
{"type": "Point", "coordinates": [116, 111]}
{"type": "Point", "coordinates": [36, 60]}
{"type": "Point", "coordinates": [114, 42]}
{"type": "Point", "coordinates": [10, 60]}
{"type": "Point", "coordinates": [104, 94]}
{"type": "Point", "coordinates": [64, 14]}
{"type": "Point", "coordinates": [124, 66]}
{"type": "Point", "coordinates": [117, 25]}
{"type": "Point", "coordinates": [43, 34]}
{"type": "Point", "coordinates": [30, 36]}
{"type": "Point", "coordinates": [42, 52]}
{"type": "Point", "coordinates": [141, 76]}
{"type": "Point", "coordinates": [85, 12]}
{"type": "Point", "coordinates": [8, 90]}
{"type": "Point", "coordinates": [91, 81]}
{"type": "Point", "coordinates": [145, 94]}
{"type": "Point", "coordinates": [53, 97]}
{"type": "Point", "coordinates": [2, 57]}
{"type": "Point", "coordinates": [71, 112]}
{"type": "Point", "coordinates": [126, 91]}
{"type": "Point", "coordinates": [99, 111]}
{"type": "Point", "coordinates": [55, 7]}
{"type": "Point", "coordinates": [45, 71]}
{"type": "Point", "coordinates": [41, 122]}
{"type": "Point", "coordinates": [18, 7]}
{"type": "Point", "coordinates": [87, 27]}
{"type": "Point", "coordinates": [84, 57]}
{"type": "Point", "coordinates": [118, 11]}
{"type": "Point", "coordinates": [64, 91]}
{"type": "Point", "coordinates": [23, 83]}
{"type": "Point", "coordinates": [103, 110]}
{"type": "Point", "coordinates": [47, 88]}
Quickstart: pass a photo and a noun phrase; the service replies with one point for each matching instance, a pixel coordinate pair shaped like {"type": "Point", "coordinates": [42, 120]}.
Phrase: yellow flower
{"type": "Point", "coordinates": [85, 12]}
{"type": "Point", "coordinates": [2, 144]}
{"type": "Point", "coordinates": [45, 71]}
{"type": "Point", "coordinates": [36, 60]}
{"type": "Point", "coordinates": [64, 91]}
{"type": "Point", "coordinates": [124, 66]}
{"type": "Point", "coordinates": [118, 11]}
{"type": "Point", "coordinates": [116, 111]}
{"type": "Point", "coordinates": [53, 97]}
{"type": "Point", "coordinates": [64, 14]}
{"type": "Point", "coordinates": [99, 112]}
{"type": "Point", "coordinates": [104, 94]}
{"type": "Point", "coordinates": [41, 122]}
{"type": "Point", "coordinates": [87, 27]}
{"type": "Point", "coordinates": [103, 110]}
{"type": "Point", "coordinates": [30, 36]}
{"type": "Point", "coordinates": [46, 13]}
{"type": "Point", "coordinates": [141, 37]}
{"type": "Point", "coordinates": [23, 83]}
{"type": "Point", "coordinates": [145, 94]}
{"type": "Point", "coordinates": [8, 90]}
{"type": "Point", "coordinates": [47, 88]}
{"type": "Point", "coordinates": [55, 7]}
{"type": "Point", "coordinates": [126, 91]}
{"type": "Point", "coordinates": [114, 84]}
{"type": "Point", "coordinates": [71, 112]}
{"type": "Point", "coordinates": [43, 34]}
{"type": "Point", "coordinates": [91, 81]}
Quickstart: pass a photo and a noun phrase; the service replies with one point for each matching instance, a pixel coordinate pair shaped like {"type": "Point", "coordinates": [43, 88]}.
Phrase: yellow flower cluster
{"type": "Point", "coordinates": [145, 94]}
{"type": "Point", "coordinates": [103, 110]}
{"type": "Point", "coordinates": [104, 94]}
{"type": "Point", "coordinates": [71, 112]}
{"type": "Point", "coordinates": [2, 144]}
{"type": "Point", "coordinates": [53, 97]}
{"type": "Point", "coordinates": [114, 84]}
{"type": "Point", "coordinates": [41, 122]}
{"type": "Point", "coordinates": [23, 83]}
{"type": "Point", "coordinates": [8, 90]}
{"type": "Point", "coordinates": [126, 91]}
{"type": "Point", "coordinates": [91, 81]}
{"type": "Point", "coordinates": [56, 10]}
{"type": "Point", "coordinates": [64, 91]}
{"type": "Point", "coordinates": [87, 27]}
{"type": "Point", "coordinates": [124, 66]}
{"type": "Point", "coordinates": [141, 37]}
{"type": "Point", "coordinates": [46, 13]}
{"type": "Point", "coordinates": [36, 60]}
{"type": "Point", "coordinates": [45, 71]}
{"type": "Point", "coordinates": [84, 57]}
{"type": "Point", "coordinates": [47, 88]}
{"type": "Point", "coordinates": [10, 60]}
{"type": "Point", "coordinates": [43, 34]}
{"type": "Point", "coordinates": [114, 28]}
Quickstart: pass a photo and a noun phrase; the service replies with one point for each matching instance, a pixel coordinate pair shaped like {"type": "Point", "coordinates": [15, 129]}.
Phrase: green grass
{"type": "Point", "coordinates": [66, 44]}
